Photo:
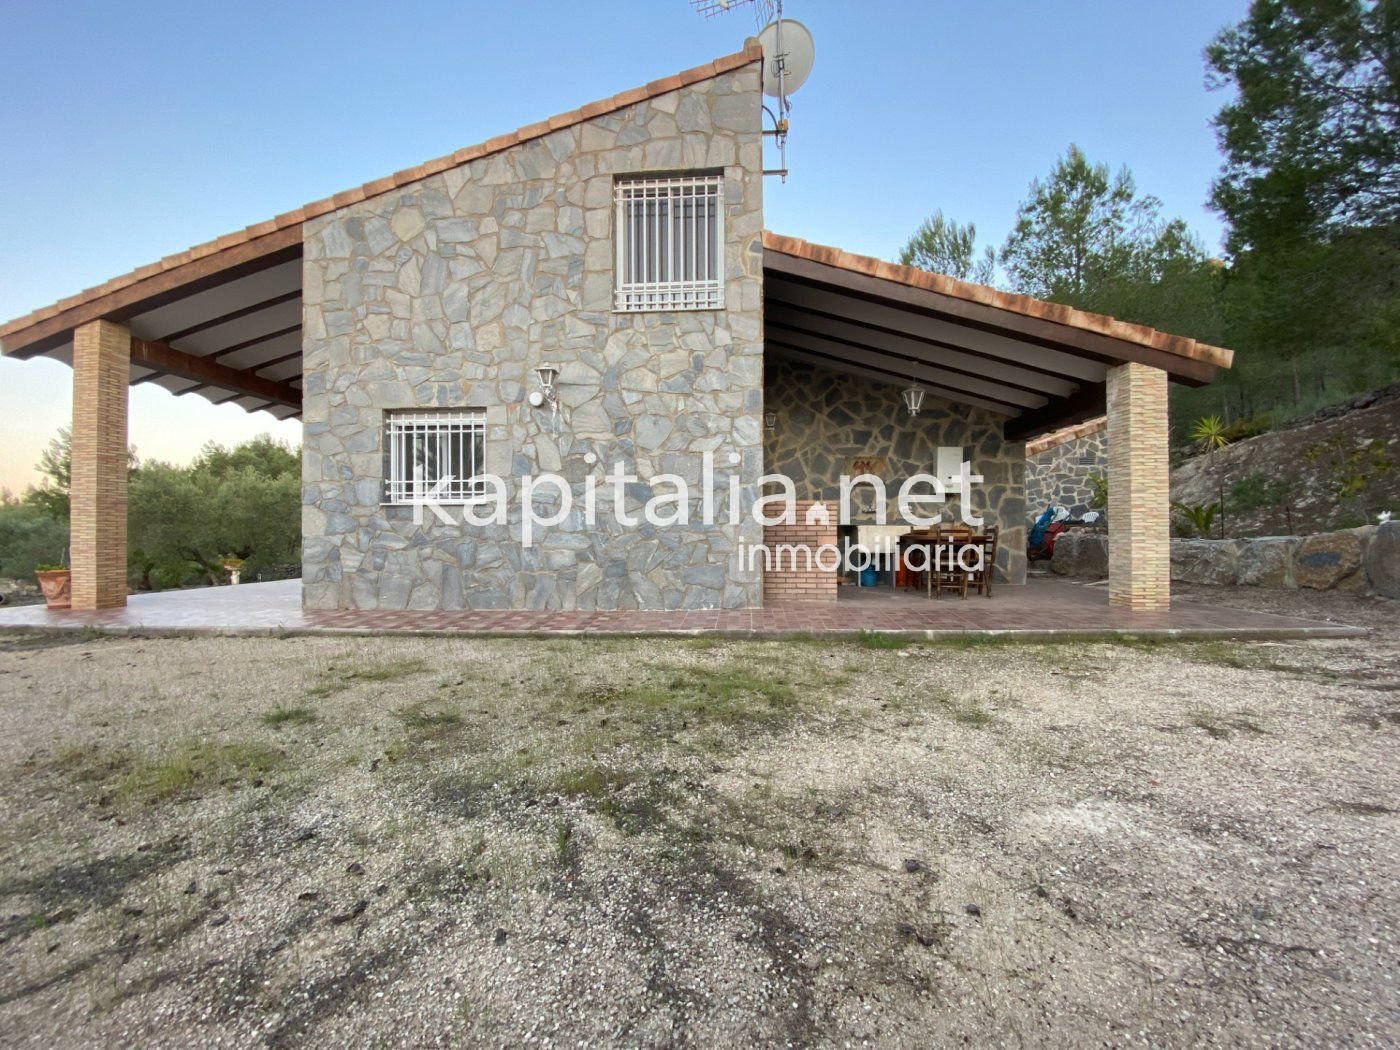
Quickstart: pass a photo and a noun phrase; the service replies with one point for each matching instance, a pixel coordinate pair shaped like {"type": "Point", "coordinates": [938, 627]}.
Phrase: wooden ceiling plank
{"type": "Point", "coordinates": [943, 352]}
{"type": "Point", "coordinates": [888, 376]}
{"type": "Point", "coordinates": [232, 315]}
{"type": "Point", "coordinates": [245, 344]}
{"type": "Point", "coordinates": [996, 347]}
{"type": "Point", "coordinates": [1014, 400]}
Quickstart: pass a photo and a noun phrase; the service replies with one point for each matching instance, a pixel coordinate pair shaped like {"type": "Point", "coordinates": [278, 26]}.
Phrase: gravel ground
{"type": "Point", "coordinates": [327, 842]}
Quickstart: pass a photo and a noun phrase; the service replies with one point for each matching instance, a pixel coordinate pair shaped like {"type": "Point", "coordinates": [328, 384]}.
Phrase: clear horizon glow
{"type": "Point", "coordinates": [144, 131]}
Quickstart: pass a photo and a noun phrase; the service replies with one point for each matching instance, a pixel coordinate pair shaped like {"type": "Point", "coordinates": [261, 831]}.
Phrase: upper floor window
{"type": "Point", "coordinates": [670, 243]}
{"type": "Point", "coordinates": [434, 454]}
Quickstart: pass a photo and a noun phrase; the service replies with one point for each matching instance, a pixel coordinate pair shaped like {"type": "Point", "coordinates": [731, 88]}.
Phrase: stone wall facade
{"type": "Point", "coordinates": [449, 291]}
{"type": "Point", "coordinates": [1060, 468]}
{"type": "Point", "coordinates": [825, 421]}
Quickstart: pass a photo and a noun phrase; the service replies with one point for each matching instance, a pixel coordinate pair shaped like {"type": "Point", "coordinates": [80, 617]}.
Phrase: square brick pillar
{"type": "Point", "coordinates": [1139, 507]}
{"type": "Point", "coordinates": [97, 517]}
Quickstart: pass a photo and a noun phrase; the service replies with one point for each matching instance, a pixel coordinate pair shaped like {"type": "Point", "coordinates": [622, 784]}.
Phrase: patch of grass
{"type": "Point", "coordinates": [634, 802]}
{"type": "Point", "coordinates": [730, 693]}
{"type": "Point", "coordinates": [706, 643]}
{"type": "Point", "coordinates": [196, 765]}
{"type": "Point", "coordinates": [1213, 726]}
{"type": "Point", "coordinates": [1245, 657]}
{"type": "Point", "coordinates": [90, 763]}
{"type": "Point", "coordinates": [339, 679]}
{"type": "Point", "coordinates": [973, 640]}
{"type": "Point", "coordinates": [1219, 726]}
{"type": "Point", "coordinates": [426, 721]}
{"type": "Point", "coordinates": [589, 782]}
{"type": "Point", "coordinates": [971, 714]}
{"type": "Point", "coordinates": [880, 640]}
{"type": "Point", "coordinates": [754, 692]}
{"type": "Point", "coordinates": [281, 716]}
{"type": "Point", "coordinates": [565, 849]}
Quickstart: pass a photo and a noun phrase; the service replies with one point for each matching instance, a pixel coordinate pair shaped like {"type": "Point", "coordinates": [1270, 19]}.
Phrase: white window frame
{"type": "Point", "coordinates": [423, 445]}
{"type": "Point", "coordinates": [669, 244]}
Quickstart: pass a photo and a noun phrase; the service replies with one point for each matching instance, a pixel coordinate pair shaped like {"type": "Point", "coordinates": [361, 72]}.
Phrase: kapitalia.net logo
{"type": "Point", "coordinates": [546, 501]}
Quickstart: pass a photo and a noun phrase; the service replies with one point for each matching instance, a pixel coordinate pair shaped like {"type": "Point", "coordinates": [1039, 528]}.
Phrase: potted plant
{"type": "Point", "coordinates": [56, 583]}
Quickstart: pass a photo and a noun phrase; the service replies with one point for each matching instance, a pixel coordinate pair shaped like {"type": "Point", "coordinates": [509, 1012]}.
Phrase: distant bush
{"type": "Point", "coordinates": [29, 537]}
{"type": "Point", "coordinates": [1248, 428]}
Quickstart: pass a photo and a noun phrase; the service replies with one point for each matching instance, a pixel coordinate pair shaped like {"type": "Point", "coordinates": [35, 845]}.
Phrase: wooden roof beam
{"type": "Point", "coordinates": [165, 358]}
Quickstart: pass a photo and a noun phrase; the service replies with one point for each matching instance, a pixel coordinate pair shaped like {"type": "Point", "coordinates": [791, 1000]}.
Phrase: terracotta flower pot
{"type": "Point", "coordinates": [56, 585]}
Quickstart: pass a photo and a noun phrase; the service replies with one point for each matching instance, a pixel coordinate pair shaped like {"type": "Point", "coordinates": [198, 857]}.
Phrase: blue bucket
{"type": "Point", "coordinates": [869, 577]}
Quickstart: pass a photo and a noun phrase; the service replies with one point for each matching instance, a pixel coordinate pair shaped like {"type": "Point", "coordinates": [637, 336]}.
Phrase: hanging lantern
{"type": "Point", "coordinates": [914, 399]}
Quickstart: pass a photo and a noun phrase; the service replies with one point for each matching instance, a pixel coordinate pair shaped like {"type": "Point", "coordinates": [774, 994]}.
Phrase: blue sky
{"type": "Point", "coordinates": [134, 131]}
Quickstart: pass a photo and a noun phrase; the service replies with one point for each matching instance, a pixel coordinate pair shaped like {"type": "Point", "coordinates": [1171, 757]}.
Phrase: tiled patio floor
{"type": "Point", "coordinates": [1043, 607]}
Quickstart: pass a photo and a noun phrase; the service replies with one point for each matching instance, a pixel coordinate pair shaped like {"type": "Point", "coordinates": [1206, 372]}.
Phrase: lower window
{"type": "Point", "coordinates": [434, 454]}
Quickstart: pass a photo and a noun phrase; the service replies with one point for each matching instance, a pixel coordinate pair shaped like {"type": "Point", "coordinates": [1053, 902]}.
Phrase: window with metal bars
{"type": "Point", "coordinates": [670, 243]}
{"type": "Point", "coordinates": [422, 448]}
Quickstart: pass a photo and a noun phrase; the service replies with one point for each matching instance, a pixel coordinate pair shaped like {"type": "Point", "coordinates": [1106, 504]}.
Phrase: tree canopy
{"type": "Point", "coordinates": [1312, 139]}
{"type": "Point", "coordinates": [1308, 290]}
{"type": "Point", "coordinates": [182, 523]}
{"type": "Point", "coordinates": [942, 245]}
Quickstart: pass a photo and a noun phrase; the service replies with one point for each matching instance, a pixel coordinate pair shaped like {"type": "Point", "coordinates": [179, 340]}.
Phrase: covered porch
{"type": "Point", "coordinates": [846, 336]}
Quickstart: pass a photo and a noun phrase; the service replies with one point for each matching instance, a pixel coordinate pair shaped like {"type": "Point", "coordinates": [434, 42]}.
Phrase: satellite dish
{"type": "Point", "coordinates": [789, 48]}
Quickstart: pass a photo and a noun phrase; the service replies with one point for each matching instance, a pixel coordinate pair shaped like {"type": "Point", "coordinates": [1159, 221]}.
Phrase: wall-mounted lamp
{"type": "Point", "coordinates": [914, 399]}
{"type": "Point", "coordinates": [546, 394]}
{"type": "Point", "coordinates": [770, 420]}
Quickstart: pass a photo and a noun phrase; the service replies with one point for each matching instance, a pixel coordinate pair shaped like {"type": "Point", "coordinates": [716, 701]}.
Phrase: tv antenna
{"type": "Point", "coordinates": [788, 54]}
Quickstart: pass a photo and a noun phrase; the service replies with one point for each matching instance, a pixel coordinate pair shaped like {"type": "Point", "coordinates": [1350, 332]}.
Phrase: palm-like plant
{"type": "Point", "coordinates": [1209, 435]}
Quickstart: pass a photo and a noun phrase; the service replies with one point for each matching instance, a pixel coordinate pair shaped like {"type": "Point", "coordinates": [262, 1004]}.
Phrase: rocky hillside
{"type": "Point", "coordinates": [1337, 469]}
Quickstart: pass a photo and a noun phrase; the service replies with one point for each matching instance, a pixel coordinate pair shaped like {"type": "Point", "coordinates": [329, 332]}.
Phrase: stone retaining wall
{"type": "Point", "coordinates": [1365, 560]}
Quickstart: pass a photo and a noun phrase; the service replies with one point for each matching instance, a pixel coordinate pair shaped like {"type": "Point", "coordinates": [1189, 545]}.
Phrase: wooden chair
{"type": "Point", "coordinates": [981, 580]}
{"type": "Point", "coordinates": [946, 573]}
{"type": "Point", "coordinates": [915, 579]}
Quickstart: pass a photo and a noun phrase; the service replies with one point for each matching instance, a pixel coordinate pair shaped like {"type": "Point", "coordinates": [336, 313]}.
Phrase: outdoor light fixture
{"type": "Point", "coordinates": [770, 420]}
{"type": "Point", "coordinates": [546, 394]}
{"type": "Point", "coordinates": [914, 399]}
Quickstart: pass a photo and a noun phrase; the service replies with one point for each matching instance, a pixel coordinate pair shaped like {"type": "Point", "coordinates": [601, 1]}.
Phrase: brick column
{"type": "Point", "coordinates": [97, 523]}
{"type": "Point", "coordinates": [1139, 508]}
{"type": "Point", "coordinates": [790, 576]}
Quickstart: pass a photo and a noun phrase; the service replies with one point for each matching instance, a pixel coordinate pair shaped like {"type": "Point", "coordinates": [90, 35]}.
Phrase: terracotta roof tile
{"type": "Point", "coordinates": [751, 53]}
{"type": "Point", "coordinates": [1021, 304]}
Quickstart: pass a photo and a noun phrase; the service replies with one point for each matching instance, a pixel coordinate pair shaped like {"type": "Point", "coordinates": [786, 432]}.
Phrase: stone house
{"type": "Point", "coordinates": [597, 291]}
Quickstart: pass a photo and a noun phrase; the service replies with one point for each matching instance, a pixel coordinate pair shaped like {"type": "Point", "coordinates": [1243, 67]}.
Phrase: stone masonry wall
{"type": "Point", "coordinates": [449, 291]}
{"type": "Point", "coordinates": [826, 420]}
{"type": "Point", "coordinates": [1060, 472]}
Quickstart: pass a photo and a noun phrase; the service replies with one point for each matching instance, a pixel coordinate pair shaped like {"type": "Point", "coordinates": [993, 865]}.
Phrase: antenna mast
{"type": "Point", "coordinates": [787, 56]}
